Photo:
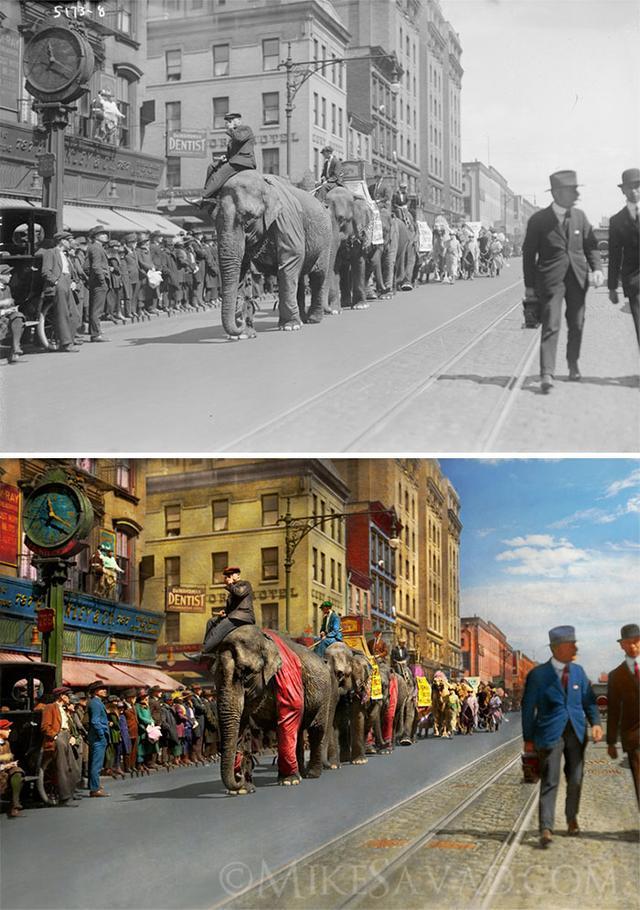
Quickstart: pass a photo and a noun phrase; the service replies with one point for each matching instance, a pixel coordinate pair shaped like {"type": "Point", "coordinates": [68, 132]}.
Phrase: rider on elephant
{"type": "Point", "coordinates": [331, 175]}
{"type": "Point", "coordinates": [378, 646]}
{"type": "Point", "coordinates": [400, 205]}
{"type": "Point", "coordinates": [400, 659]}
{"type": "Point", "coordinates": [330, 630]}
{"type": "Point", "coordinates": [240, 156]}
{"type": "Point", "coordinates": [237, 611]}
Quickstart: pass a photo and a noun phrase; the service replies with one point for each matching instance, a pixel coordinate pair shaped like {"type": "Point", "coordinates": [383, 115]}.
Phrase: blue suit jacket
{"type": "Point", "coordinates": [98, 720]}
{"type": "Point", "coordinates": [331, 628]}
{"type": "Point", "coordinates": [546, 707]}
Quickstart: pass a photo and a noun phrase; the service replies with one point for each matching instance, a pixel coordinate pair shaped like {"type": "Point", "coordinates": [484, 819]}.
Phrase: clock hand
{"type": "Point", "coordinates": [61, 70]}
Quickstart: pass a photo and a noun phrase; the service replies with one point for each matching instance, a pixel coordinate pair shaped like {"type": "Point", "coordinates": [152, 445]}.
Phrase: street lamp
{"type": "Point", "coordinates": [299, 71]}
{"type": "Point", "coordinates": [296, 529]}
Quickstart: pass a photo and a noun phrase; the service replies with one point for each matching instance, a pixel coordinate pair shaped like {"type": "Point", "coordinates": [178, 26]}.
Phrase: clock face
{"type": "Point", "coordinates": [52, 515]}
{"type": "Point", "coordinates": [53, 60]}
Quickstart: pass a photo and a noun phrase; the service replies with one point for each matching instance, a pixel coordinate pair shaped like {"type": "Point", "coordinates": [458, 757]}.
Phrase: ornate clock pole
{"type": "Point", "coordinates": [57, 516]}
{"type": "Point", "coordinates": [58, 63]}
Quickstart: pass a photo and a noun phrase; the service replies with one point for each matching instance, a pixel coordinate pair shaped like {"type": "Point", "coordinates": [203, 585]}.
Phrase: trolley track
{"type": "Point", "coordinates": [344, 408]}
{"type": "Point", "coordinates": [372, 863]}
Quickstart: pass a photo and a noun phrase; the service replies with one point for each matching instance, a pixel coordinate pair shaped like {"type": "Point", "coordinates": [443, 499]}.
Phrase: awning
{"type": "Point", "coordinates": [84, 217]}
{"type": "Point", "coordinates": [16, 203]}
{"type": "Point", "coordinates": [78, 672]}
{"type": "Point", "coordinates": [150, 221]}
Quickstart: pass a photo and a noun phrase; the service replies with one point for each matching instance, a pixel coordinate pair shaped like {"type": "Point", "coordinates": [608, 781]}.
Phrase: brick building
{"type": "Point", "coordinates": [486, 652]}
{"type": "Point", "coordinates": [371, 565]}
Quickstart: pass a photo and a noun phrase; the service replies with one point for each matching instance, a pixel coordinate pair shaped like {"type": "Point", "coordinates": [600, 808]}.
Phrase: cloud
{"type": "Point", "coordinates": [596, 592]}
{"type": "Point", "coordinates": [547, 560]}
{"type": "Point", "coordinates": [599, 516]}
{"type": "Point", "coordinates": [533, 540]}
{"type": "Point", "coordinates": [484, 532]}
{"type": "Point", "coordinates": [633, 480]}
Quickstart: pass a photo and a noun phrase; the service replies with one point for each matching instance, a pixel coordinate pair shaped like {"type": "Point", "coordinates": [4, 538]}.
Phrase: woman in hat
{"type": "Point", "coordinates": [11, 774]}
{"type": "Point", "coordinates": [146, 748]}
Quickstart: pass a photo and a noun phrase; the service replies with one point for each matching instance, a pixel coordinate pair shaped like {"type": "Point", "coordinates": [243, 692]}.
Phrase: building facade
{"type": "Point", "coordinates": [486, 652]}
{"type": "Point", "coordinates": [111, 637]}
{"type": "Point", "coordinates": [204, 514]}
{"type": "Point", "coordinates": [371, 565]}
{"type": "Point", "coordinates": [111, 181]}
{"type": "Point", "coordinates": [205, 60]}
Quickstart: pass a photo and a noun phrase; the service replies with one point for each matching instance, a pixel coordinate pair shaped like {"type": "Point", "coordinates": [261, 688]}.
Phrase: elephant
{"type": "Point", "coordinates": [281, 230]}
{"type": "Point", "coordinates": [382, 261]}
{"type": "Point", "coordinates": [380, 713]}
{"type": "Point", "coordinates": [350, 247]}
{"type": "Point", "coordinates": [406, 716]}
{"type": "Point", "coordinates": [244, 671]}
{"type": "Point", "coordinates": [441, 707]}
{"type": "Point", "coordinates": [352, 672]}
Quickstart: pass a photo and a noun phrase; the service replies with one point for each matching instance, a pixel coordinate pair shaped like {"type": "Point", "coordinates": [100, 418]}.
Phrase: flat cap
{"type": "Point", "coordinates": [98, 229]}
{"type": "Point", "coordinates": [62, 690]}
{"type": "Point", "coordinates": [232, 116]}
{"type": "Point", "coordinates": [231, 570]}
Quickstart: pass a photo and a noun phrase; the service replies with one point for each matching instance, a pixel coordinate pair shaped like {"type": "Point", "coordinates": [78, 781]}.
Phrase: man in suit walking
{"type": "Point", "coordinates": [624, 247]}
{"type": "Point", "coordinates": [557, 698]}
{"type": "Point", "coordinates": [623, 703]}
{"type": "Point", "coordinates": [558, 251]}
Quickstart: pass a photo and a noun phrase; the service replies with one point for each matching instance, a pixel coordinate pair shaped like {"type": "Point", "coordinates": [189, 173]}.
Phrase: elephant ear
{"type": "Point", "coordinates": [273, 203]}
{"type": "Point", "coordinates": [271, 660]}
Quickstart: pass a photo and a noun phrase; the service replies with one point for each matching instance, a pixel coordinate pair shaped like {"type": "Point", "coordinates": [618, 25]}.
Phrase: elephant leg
{"type": "Point", "coordinates": [358, 293]}
{"type": "Point", "coordinates": [289, 268]}
{"type": "Point", "coordinates": [345, 284]}
{"type": "Point", "coordinates": [319, 284]}
{"type": "Point", "coordinates": [301, 298]}
{"type": "Point", "coordinates": [358, 734]}
{"type": "Point", "coordinates": [316, 736]}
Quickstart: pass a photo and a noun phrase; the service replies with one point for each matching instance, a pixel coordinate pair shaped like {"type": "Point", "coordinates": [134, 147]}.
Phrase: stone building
{"type": "Point", "coordinates": [205, 514]}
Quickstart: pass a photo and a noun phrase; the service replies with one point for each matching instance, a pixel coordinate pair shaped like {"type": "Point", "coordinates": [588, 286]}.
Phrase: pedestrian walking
{"type": "Point", "coordinates": [98, 736]}
{"type": "Point", "coordinates": [559, 249]}
{"type": "Point", "coordinates": [624, 247]}
{"type": "Point", "coordinates": [97, 269]}
{"type": "Point", "coordinates": [557, 699]}
{"type": "Point", "coordinates": [623, 703]}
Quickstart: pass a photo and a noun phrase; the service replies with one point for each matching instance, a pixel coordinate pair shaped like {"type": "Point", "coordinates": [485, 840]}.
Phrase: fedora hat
{"type": "Point", "coordinates": [631, 630]}
{"type": "Point", "coordinates": [631, 175]}
{"type": "Point", "coordinates": [561, 634]}
{"type": "Point", "coordinates": [561, 179]}
{"type": "Point", "coordinates": [97, 685]}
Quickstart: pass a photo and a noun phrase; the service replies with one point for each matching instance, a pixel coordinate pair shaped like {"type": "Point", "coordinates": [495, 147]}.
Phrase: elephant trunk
{"type": "Point", "coordinates": [231, 246]}
{"type": "Point", "coordinates": [230, 706]}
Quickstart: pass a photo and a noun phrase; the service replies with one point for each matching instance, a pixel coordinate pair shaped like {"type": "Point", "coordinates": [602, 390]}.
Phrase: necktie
{"type": "Point", "coordinates": [565, 677]}
{"type": "Point", "coordinates": [566, 224]}
{"type": "Point", "coordinates": [636, 670]}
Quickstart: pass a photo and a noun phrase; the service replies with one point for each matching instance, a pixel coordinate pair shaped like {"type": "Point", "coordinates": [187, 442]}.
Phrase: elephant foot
{"type": "Point", "coordinates": [360, 306]}
{"type": "Point", "coordinates": [290, 327]}
{"type": "Point", "coordinates": [332, 312]}
{"type": "Point", "coordinates": [360, 761]}
{"type": "Point", "coordinates": [292, 780]}
{"type": "Point", "coordinates": [387, 750]}
{"type": "Point", "coordinates": [244, 790]}
{"type": "Point", "coordinates": [314, 773]}
{"type": "Point", "coordinates": [371, 750]}
{"type": "Point", "coordinates": [406, 742]}
{"type": "Point", "coordinates": [406, 287]}
{"type": "Point", "coordinates": [242, 337]}
{"type": "Point", "coordinates": [330, 766]}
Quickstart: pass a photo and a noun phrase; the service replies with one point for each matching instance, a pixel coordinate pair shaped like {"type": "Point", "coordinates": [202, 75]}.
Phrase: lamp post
{"type": "Point", "coordinates": [296, 529]}
{"type": "Point", "coordinates": [299, 71]}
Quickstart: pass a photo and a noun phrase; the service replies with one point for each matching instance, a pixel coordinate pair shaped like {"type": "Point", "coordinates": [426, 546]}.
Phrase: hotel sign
{"type": "Point", "coordinates": [186, 598]}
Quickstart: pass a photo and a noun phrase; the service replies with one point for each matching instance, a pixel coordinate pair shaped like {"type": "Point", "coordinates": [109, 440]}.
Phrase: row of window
{"type": "Point", "coordinates": [331, 523]}
{"type": "Point", "coordinates": [319, 570]}
{"type": "Point", "coordinates": [269, 567]}
{"type": "Point", "coordinates": [270, 513]}
{"type": "Point", "coordinates": [320, 115]}
{"type": "Point", "coordinates": [221, 107]}
{"type": "Point", "coordinates": [266, 617]}
{"type": "Point", "coordinates": [270, 165]}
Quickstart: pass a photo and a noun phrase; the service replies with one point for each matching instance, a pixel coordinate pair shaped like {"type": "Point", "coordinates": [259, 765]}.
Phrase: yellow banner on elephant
{"type": "Point", "coordinates": [376, 683]}
{"type": "Point", "coordinates": [424, 692]}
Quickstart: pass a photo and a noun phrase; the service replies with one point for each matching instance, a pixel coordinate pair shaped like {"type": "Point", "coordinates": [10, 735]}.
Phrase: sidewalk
{"type": "Point", "coordinates": [601, 867]}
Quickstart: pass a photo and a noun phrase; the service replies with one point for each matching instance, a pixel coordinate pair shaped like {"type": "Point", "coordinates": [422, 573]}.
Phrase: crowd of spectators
{"type": "Point", "coordinates": [88, 737]}
{"type": "Point", "coordinates": [88, 281]}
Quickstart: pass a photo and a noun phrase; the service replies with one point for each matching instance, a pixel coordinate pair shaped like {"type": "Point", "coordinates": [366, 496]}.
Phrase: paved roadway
{"type": "Point", "coordinates": [177, 385]}
{"type": "Point", "coordinates": [178, 841]}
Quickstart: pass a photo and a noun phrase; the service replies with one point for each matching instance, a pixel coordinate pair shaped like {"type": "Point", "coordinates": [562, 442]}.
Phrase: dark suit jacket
{"type": "Point", "coordinates": [332, 170]}
{"type": "Point", "coordinates": [623, 708]}
{"type": "Point", "coordinates": [239, 605]}
{"type": "Point", "coordinates": [240, 149]}
{"type": "Point", "coordinates": [624, 250]}
{"type": "Point", "coordinates": [145, 262]}
{"type": "Point", "coordinates": [97, 266]}
{"type": "Point", "coordinates": [51, 268]}
{"type": "Point", "coordinates": [547, 254]}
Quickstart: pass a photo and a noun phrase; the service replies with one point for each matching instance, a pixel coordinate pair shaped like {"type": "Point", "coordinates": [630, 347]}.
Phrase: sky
{"type": "Point", "coordinates": [551, 86]}
{"type": "Point", "coordinates": [550, 542]}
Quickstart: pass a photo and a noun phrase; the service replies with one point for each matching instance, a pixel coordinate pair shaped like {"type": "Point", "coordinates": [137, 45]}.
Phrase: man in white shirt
{"type": "Point", "coordinates": [57, 285]}
{"type": "Point", "coordinates": [57, 744]}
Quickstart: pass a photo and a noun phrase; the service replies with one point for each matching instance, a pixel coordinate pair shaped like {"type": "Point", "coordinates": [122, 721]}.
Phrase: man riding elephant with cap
{"type": "Point", "coordinates": [557, 702]}
{"type": "Point", "coordinates": [240, 156]}
{"type": "Point", "coordinates": [559, 249]}
{"type": "Point", "coordinates": [237, 611]}
{"type": "Point", "coordinates": [330, 630]}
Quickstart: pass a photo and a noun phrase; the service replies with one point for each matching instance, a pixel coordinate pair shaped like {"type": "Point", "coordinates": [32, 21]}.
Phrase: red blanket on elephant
{"type": "Point", "coordinates": [290, 704]}
{"type": "Point", "coordinates": [387, 720]}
